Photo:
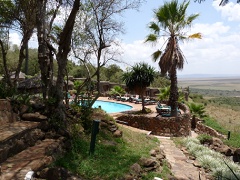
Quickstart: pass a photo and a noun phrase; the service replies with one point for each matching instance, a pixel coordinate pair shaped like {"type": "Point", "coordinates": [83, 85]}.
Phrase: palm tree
{"type": "Point", "coordinates": [138, 79]}
{"type": "Point", "coordinates": [197, 109]}
{"type": "Point", "coordinates": [117, 90]}
{"type": "Point", "coordinates": [164, 93]}
{"type": "Point", "coordinates": [171, 21]}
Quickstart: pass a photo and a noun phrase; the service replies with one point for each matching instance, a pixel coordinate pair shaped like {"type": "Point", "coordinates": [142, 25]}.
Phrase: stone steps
{"type": "Point", "coordinates": [24, 147]}
{"type": "Point", "coordinates": [17, 136]}
{"type": "Point", "coordinates": [32, 158]}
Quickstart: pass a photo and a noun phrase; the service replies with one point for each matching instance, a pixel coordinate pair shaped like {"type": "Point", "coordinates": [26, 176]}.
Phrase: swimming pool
{"type": "Point", "coordinates": [111, 107]}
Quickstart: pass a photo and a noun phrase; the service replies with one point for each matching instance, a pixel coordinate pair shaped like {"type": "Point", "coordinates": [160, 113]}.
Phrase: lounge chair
{"type": "Point", "coordinates": [137, 101]}
{"type": "Point", "coordinates": [151, 102]}
{"type": "Point", "coordinates": [164, 110]}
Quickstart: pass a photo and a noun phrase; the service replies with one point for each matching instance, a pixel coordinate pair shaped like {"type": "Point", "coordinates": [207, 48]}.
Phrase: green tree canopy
{"type": "Point", "coordinates": [138, 79]}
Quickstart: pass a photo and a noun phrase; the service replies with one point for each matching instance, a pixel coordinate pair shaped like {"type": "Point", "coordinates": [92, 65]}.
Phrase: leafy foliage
{"type": "Point", "coordinates": [117, 90]}
{"type": "Point", "coordinates": [220, 166]}
{"type": "Point", "coordinates": [5, 90]}
{"type": "Point", "coordinates": [164, 93]}
{"type": "Point", "coordinates": [203, 138]}
{"type": "Point", "coordinates": [197, 109]}
{"type": "Point", "coordinates": [138, 79]}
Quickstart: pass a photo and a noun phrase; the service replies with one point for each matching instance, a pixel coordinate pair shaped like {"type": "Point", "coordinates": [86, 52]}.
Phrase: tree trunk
{"type": "Point", "coordinates": [63, 50]}
{"type": "Point", "coordinates": [26, 36]}
{"type": "Point", "coordinates": [26, 60]}
{"type": "Point", "coordinates": [173, 98]}
{"type": "Point", "coordinates": [43, 52]}
{"type": "Point", "coordinates": [98, 67]}
{"type": "Point", "coordinates": [4, 57]}
{"type": "Point", "coordinates": [143, 104]}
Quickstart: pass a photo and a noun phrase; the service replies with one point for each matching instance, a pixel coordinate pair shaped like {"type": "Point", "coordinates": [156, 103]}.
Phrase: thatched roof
{"type": "Point", "coordinates": [32, 83]}
{"type": "Point", "coordinates": [21, 75]}
{"type": "Point", "coordinates": [35, 83]}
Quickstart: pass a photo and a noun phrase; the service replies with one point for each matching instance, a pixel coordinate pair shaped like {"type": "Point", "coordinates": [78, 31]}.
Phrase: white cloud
{"type": "Point", "coordinates": [14, 38]}
{"type": "Point", "coordinates": [231, 11]}
{"type": "Point", "coordinates": [217, 52]}
{"type": "Point", "coordinates": [137, 52]}
{"type": "Point", "coordinates": [210, 29]}
{"type": "Point", "coordinates": [33, 41]}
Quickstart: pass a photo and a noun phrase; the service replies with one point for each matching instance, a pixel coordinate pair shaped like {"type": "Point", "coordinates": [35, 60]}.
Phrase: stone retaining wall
{"type": "Point", "coordinates": [203, 129]}
{"type": "Point", "coordinates": [6, 113]}
{"type": "Point", "coordinates": [162, 126]}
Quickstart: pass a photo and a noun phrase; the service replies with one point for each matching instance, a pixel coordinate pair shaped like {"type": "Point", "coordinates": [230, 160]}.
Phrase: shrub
{"type": "Point", "coordinates": [220, 166]}
{"type": "Point", "coordinates": [205, 139]}
{"type": "Point", "coordinates": [197, 109]}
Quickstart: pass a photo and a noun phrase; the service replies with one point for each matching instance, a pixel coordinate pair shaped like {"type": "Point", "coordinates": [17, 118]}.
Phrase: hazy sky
{"type": "Point", "coordinates": [218, 52]}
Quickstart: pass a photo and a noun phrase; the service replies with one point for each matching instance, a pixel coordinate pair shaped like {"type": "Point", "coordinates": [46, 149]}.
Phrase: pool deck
{"type": "Point", "coordinates": [136, 107]}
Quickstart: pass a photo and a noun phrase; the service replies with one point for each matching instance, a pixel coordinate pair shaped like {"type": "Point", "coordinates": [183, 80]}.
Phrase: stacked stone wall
{"type": "Point", "coordinates": [162, 126]}
{"type": "Point", "coordinates": [203, 129]}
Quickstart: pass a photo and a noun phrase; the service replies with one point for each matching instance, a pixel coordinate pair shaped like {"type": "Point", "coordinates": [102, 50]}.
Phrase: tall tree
{"type": "Point", "coordinates": [64, 48]}
{"type": "Point", "coordinates": [7, 10]}
{"type": "Point", "coordinates": [4, 45]}
{"type": "Point", "coordinates": [46, 52]}
{"type": "Point", "coordinates": [171, 21]}
{"type": "Point", "coordinates": [45, 16]}
{"type": "Point", "coordinates": [19, 15]}
{"type": "Point", "coordinates": [99, 32]}
{"type": "Point", "coordinates": [138, 79]}
{"type": "Point", "coordinates": [25, 18]}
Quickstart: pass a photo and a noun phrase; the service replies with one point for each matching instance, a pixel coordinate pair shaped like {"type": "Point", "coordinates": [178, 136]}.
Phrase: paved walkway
{"type": "Point", "coordinates": [181, 166]}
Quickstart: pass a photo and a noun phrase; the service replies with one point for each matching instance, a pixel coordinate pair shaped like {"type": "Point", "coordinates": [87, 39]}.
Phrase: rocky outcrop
{"type": "Point", "coordinates": [36, 117]}
{"type": "Point", "coordinates": [145, 165]}
{"type": "Point", "coordinates": [6, 113]}
{"type": "Point", "coordinates": [110, 126]}
{"type": "Point", "coordinates": [218, 146]}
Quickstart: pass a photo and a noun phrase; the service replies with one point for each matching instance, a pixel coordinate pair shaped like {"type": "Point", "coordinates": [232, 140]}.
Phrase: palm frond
{"type": "Point", "coordinates": [195, 36]}
{"type": "Point", "coordinates": [154, 27]}
{"type": "Point", "coordinates": [156, 55]}
{"type": "Point", "coordinates": [223, 2]}
{"type": "Point", "coordinates": [151, 38]}
{"type": "Point", "coordinates": [191, 18]}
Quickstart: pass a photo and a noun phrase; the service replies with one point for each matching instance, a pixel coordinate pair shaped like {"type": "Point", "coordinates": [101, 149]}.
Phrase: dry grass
{"type": "Point", "coordinates": [226, 117]}
{"type": "Point", "coordinates": [229, 84]}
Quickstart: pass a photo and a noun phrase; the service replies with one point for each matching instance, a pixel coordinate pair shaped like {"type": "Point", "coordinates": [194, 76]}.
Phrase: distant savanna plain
{"type": "Point", "coordinates": [221, 97]}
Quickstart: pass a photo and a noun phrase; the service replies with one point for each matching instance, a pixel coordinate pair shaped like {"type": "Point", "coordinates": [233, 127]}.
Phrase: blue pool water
{"type": "Point", "coordinates": [111, 107]}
